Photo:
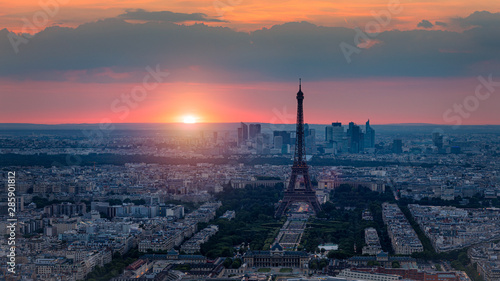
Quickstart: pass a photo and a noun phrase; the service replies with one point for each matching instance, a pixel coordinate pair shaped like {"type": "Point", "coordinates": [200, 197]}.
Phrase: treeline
{"type": "Point", "coordinates": [457, 258]}
{"type": "Point", "coordinates": [91, 159]}
{"type": "Point", "coordinates": [42, 202]}
{"type": "Point", "coordinates": [316, 264]}
{"type": "Point", "coordinates": [429, 252]}
{"type": "Point", "coordinates": [341, 220]}
{"type": "Point", "coordinates": [346, 229]}
{"type": "Point", "coordinates": [126, 200]}
{"type": "Point", "coordinates": [45, 160]}
{"type": "Point", "coordinates": [115, 267]}
{"type": "Point", "coordinates": [232, 263]}
{"type": "Point", "coordinates": [342, 232]}
{"type": "Point", "coordinates": [359, 197]}
{"type": "Point", "coordinates": [254, 222]}
{"type": "Point", "coordinates": [476, 201]}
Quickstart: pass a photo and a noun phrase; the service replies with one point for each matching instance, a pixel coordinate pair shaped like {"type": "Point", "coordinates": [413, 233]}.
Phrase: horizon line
{"type": "Point", "coordinates": [249, 122]}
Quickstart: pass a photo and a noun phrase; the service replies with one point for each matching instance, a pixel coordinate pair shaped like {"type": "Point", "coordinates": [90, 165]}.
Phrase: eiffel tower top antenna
{"type": "Point", "coordinates": [299, 157]}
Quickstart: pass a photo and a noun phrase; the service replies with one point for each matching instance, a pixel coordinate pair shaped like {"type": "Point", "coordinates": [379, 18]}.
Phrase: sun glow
{"type": "Point", "coordinates": [189, 119]}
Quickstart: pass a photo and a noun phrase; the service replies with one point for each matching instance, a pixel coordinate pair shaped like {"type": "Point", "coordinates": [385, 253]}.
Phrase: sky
{"type": "Point", "coordinates": [81, 61]}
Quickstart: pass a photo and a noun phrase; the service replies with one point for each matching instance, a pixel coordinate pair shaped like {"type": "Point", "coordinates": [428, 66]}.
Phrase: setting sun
{"type": "Point", "coordinates": [189, 119]}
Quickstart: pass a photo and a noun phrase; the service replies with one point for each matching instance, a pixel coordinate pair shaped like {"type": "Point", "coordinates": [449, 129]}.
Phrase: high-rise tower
{"type": "Point", "coordinates": [299, 168]}
{"type": "Point", "coordinates": [369, 136]}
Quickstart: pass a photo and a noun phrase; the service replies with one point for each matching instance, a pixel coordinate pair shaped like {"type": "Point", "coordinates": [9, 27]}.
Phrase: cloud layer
{"type": "Point", "coordinates": [425, 24]}
{"type": "Point", "coordinates": [165, 16]}
{"type": "Point", "coordinates": [114, 50]}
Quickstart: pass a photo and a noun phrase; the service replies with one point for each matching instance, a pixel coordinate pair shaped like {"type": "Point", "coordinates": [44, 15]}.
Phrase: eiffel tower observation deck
{"type": "Point", "coordinates": [299, 168]}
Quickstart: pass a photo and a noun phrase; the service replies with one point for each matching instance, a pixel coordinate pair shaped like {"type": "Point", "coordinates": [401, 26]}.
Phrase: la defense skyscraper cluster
{"type": "Point", "coordinates": [294, 192]}
{"type": "Point", "coordinates": [352, 141]}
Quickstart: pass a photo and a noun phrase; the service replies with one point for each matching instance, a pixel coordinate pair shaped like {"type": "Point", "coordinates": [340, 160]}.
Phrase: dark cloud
{"type": "Point", "coordinates": [480, 18]}
{"type": "Point", "coordinates": [167, 16]}
{"type": "Point", "coordinates": [425, 24]}
{"type": "Point", "coordinates": [200, 53]}
{"type": "Point", "coordinates": [440, 23]}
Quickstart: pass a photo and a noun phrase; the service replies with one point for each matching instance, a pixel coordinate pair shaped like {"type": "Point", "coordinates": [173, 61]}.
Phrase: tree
{"type": "Point", "coordinates": [228, 262]}
{"type": "Point", "coordinates": [236, 263]}
{"type": "Point", "coordinates": [322, 263]}
{"type": "Point", "coordinates": [139, 202]}
{"type": "Point", "coordinates": [227, 252]}
{"type": "Point", "coordinates": [313, 264]}
{"type": "Point", "coordinates": [254, 222]}
{"type": "Point", "coordinates": [339, 255]}
{"type": "Point", "coordinates": [463, 258]}
{"type": "Point", "coordinates": [114, 202]}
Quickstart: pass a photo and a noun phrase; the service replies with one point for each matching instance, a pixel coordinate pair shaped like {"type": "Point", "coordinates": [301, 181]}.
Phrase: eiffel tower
{"type": "Point", "coordinates": [292, 194]}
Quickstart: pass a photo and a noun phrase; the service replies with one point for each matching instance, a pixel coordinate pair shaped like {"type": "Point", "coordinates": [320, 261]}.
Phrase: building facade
{"type": "Point", "coordinates": [276, 257]}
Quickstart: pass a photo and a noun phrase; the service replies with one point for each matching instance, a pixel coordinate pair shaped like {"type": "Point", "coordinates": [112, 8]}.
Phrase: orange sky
{"type": "Point", "coordinates": [383, 100]}
{"type": "Point", "coordinates": [245, 14]}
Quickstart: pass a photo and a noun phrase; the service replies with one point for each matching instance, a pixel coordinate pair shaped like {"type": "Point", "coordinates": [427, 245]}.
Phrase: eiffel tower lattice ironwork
{"type": "Point", "coordinates": [292, 194]}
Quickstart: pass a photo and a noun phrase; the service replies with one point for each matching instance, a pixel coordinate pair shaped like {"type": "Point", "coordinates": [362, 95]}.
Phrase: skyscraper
{"type": "Point", "coordinates": [339, 136]}
{"type": "Point", "coordinates": [437, 139]}
{"type": "Point", "coordinates": [328, 134]}
{"type": "Point", "coordinates": [242, 133]}
{"type": "Point", "coordinates": [244, 128]}
{"type": "Point", "coordinates": [286, 136]}
{"type": "Point", "coordinates": [259, 140]}
{"type": "Point", "coordinates": [278, 142]}
{"type": "Point", "coordinates": [254, 130]}
{"type": "Point", "coordinates": [397, 146]}
{"type": "Point", "coordinates": [356, 138]}
{"type": "Point", "coordinates": [311, 142]}
{"type": "Point", "coordinates": [369, 136]}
